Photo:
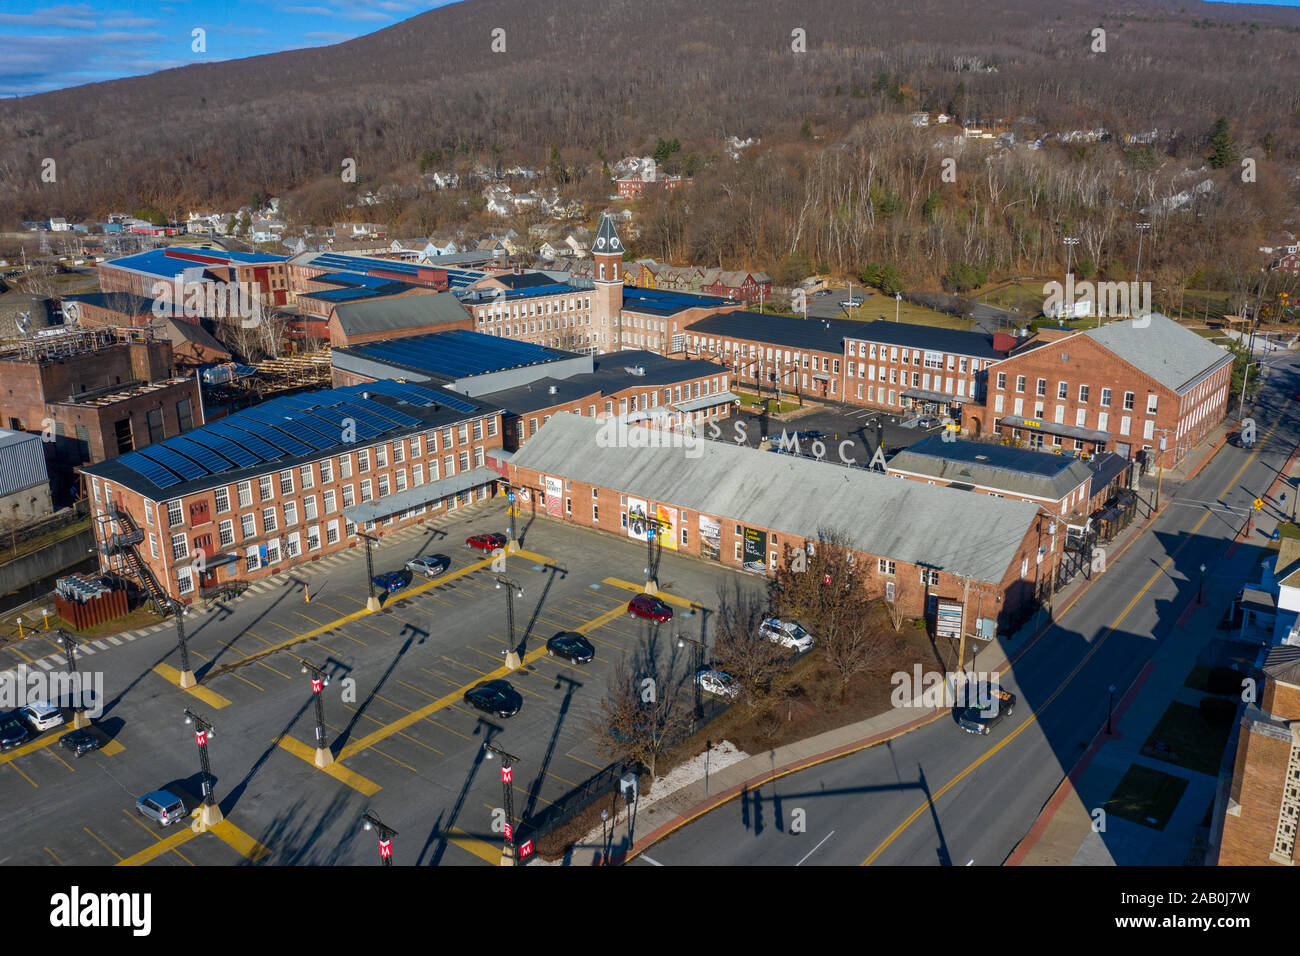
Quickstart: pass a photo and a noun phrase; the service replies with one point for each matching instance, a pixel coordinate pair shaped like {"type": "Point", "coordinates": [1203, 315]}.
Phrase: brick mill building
{"type": "Point", "coordinates": [286, 482]}
{"type": "Point", "coordinates": [247, 271]}
{"type": "Point", "coordinates": [736, 506]}
{"type": "Point", "coordinates": [1125, 386]}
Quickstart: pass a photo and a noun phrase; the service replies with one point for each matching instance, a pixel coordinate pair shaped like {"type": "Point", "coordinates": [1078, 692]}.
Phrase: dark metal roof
{"type": "Point", "coordinates": [669, 302]}
{"type": "Point", "coordinates": [456, 353]}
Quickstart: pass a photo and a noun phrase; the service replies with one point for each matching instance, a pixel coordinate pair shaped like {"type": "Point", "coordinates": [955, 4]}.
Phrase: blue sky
{"type": "Point", "coordinates": [48, 46]}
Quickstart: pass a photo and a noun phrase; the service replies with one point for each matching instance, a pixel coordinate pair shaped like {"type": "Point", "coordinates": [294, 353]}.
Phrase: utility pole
{"type": "Point", "coordinates": [513, 590]}
{"type": "Point", "coordinates": [1142, 228]}
{"type": "Point", "coordinates": [961, 644]}
{"type": "Point", "coordinates": [513, 544]}
{"type": "Point", "coordinates": [682, 641]}
{"type": "Point", "coordinates": [178, 609]}
{"type": "Point", "coordinates": [1070, 243]}
{"type": "Point", "coordinates": [508, 855]}
{"type": "Point", "coordinates": [319, 681]}
{"type": "Point", "coordinates": [79, 718]}
{"type": "Point", "coordinates": [209, 813]}
{"type": "Point", "coordinates": [372, 599]}
{"type": "Point", "coordinates": [386, 834]}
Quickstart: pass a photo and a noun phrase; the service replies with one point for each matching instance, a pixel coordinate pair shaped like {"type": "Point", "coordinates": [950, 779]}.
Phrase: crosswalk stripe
{"type": "Point", "coordinates": [45, 663]}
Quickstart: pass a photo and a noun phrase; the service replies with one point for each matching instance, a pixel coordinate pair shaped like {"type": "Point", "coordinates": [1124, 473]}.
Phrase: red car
{"type": "Point", "coordinates": [486, 542]}
{"type": "Point", "coordinates": [644, 605]}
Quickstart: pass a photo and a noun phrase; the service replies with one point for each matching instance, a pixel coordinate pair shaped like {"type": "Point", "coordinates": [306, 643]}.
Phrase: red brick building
{"type": "Point", "coordinates": [216, 272]}
{"type": "Point", "coordinates": [252, 500]}
{"type": "Point", "coordinates": [1122, 387]}
{"type": "Point", "coordinates": [1258, 820]}
{"type": "Point", "coordinates": [753, 288]}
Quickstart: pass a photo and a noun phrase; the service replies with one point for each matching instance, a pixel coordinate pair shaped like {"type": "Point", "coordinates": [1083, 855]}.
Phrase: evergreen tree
{"type": "Point", "coordinates": [1222, 148]}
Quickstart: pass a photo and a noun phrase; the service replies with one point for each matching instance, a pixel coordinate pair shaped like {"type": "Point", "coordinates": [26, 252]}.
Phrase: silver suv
{"type": "Point", "coordinates": [162, 807]}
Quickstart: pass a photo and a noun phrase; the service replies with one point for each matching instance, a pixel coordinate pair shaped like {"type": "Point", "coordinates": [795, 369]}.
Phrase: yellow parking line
{"type": "Point", "coordinates": [96, 838]}
{"type": "Point", "coordinates": [135, 818]}
{"type": "Point", "coordinates": [166, 844]}
{"type": "Point", "coordinates": [183, 857]}
{"type": "Point", "coordinates": [111, 748]}
{"type": "Point", "coordinates": [53, 854]}
{"type": "Point", "coordinates": [400, 763]}
{"type": "Point", "coordinates": [209, 697]}
{"type": "Point", "coordinates": [38, 744]}
{"type": "Point", "coordinates": [239, 841]}
{"type": "Point", "coordinates": [340, 773]}
{"type": "Point", "coordinates": [587, 762]}
{"type": "Point", "coordinates": [18, 770]}
{"type": "Point", "coordinates": [662, 595]}
{"type": "Point", "coordinates": [480, 848]}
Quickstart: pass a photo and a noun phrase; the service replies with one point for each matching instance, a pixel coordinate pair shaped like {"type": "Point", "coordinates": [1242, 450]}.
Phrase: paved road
{"type": "Point", "coordinates": [941, 796]}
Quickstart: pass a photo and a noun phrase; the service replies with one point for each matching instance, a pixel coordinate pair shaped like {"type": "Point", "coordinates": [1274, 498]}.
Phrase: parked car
{"type": "Point", "coordinates": [486, 542]}
{"type": "Point", "coordinates": [786, 633]}
{"type": "Point", "coordinates": [13, 731]}
{"type": "Point", "coordinates": [41, 715]}
{"type": "Point", "coordinates": [926, 421]}
{"type": "Point", "coordinates": [571, 645]}
{"type": "Point", "coordinates": [161, 806]}
{"type": "Point", "coordinates": [649, 606]}
{"type": "Point", "coordinates": [391, 581]}
{"type": "Point", "coordinates": [990, 708]}
{"type": "Point", "coordinates": [496, 697]}
{"type": "Point", "coordinates": [812, 434]}
{"type": "Point", "coordinates": [79, 742]}
{"type": "Point", "coordinates": [852, 303]}
{"type": "Point", "coordinates": [822, 292]}
{"type": "Point", "coordinates": [718, 683]}
{"type": "Point", "coordinates": [430, 565]}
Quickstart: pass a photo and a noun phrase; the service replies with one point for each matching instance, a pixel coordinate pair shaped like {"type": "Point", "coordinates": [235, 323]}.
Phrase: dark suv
{"type": "Point", "coordinates": [13, 731]}
{"type": "Point", "coordinates": [649, 606]}
{"type": "Point", "coordinates": [989, 708]}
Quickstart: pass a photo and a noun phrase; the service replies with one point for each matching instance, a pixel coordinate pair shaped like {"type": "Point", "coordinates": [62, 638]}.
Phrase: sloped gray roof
{"type": "Point", "coordinates": [1163, 349]}
{"type": "Point", "coordinates": [407, 312]}
{"type": "Point", "coordinates": [905, 521]}
{"type": "Point", "coordinates": [606, 237]}
{"type": "Point", "coordinates": [1049, 487]}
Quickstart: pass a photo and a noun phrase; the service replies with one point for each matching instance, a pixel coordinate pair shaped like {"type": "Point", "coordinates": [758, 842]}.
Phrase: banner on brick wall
{"type": "Point", "coordinates": [554, 496]}
{"type": "Point", "coordinates": [710, 538]}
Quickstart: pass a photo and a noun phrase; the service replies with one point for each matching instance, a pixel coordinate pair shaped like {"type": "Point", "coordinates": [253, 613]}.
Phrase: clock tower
{"type": "Point", "coordinates": [607, 276]}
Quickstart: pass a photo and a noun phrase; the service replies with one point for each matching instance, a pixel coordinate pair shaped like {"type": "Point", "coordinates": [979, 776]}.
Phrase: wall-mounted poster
{"type": "Point", "coordinates": [667, 526]}
{"type": "Point", "coordinates": [755, 551]}
{"type": "Point", "coordinates": [947, 621]}
{"type": "Point", "coordinates": [554, 496]}
{"type": "Point", "coordinates": [710, 538]}
{"type": "Point", "coordinates": [636, 515]}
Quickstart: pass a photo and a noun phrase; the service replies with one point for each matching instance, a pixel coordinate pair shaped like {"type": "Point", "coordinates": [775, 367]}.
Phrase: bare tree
{"type": "Point", "coordinates": [642, 714]}
{"type": "Point", "coordinates": [830, 593]}
{"type": "Point", "coordinates": [758, 664]}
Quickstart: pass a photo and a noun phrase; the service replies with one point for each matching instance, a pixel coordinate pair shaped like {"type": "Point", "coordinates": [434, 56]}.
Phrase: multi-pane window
{"type": "Point", "coordinates": [478, 456]}
{"type": "Point", "coordinates": [332, 533]}
{"type": "Point", "coordinates": [153, 546]}
{"type": "Point", "coordinates": [327, 471]}
{"type": "Point", "coordinates": [222, 497]}
{"type": "Point", "coordinates": [180, 547]}
{"type": "Point", "coordinates": [1042, 387]}
{"type": "Point", "coordinates": [248, 526]}
{"type": "Point", "coordinates": [1152, 401]}
{"type": "Point", "coordinates": [174, 513]}
{"type": "Point", "coordinates": [1128, 401]}
{"type": "Point", "coordinates": [447, 440]}
{"type": "Point", "coordinates": [417, 474]}
{"type": "Point", "coordinates": [449, 466]}
{"type": "Point", "coordinates": [462, 433]}
{"type": "Point", "coordinates": [478, 429]}
{"type": "Point", "coordinates": [264, 488]}
{"type": "Point", "coordinates": [381, 456]}
{"type": "Point", "coordinates": [1002, 379]}
{"type": "Point", "coordinates": [290, 513]}
{"type": "Point", "coordinates": [286, 482]}
{"type": "Point", "coordinates": [363, 461]}
{"type": "Point", "coordinates": [492, 423]}
{"type": "Point", "coordinates": [400, 479]}
{"type": "Point", "coordinates": [464, 461]}
{"type": "Point", "coordinates": [1084, 392]}
{"type": "Point", "coordinates": [349, 496]}
{"type": "Point", "coordinates": [245, 494]}
{"type": "Point", "coordinates": [1105, 397]}
{"type": "Point", "coordinates": [313, 539]}
{"type": "Point", "coordinates": [329, 501]}
{"type": "Point", "coordinates": [1020, 383]}
{"type": "Point", "coordinates": [885, 567]}
{"type": "Point", "coordinates": [226, 533]}
{"type": "Point", "coordinates": [309, 508]}
{"type": "Point", "coordinates": [184, 580]}
{"type": "Point", "coordinates": [345, 466]}
{"type": "Point", "coordinates": [367, 490]}
{"type": "Point", "coordinates": [383, 486]}
{"type": "Point", "coordinates": [416, 450]}
{"type": "Point", "coordinates": [268, 520]}
{"type": "Point", "coordinates": [399, 452]}
{"type": "Point", "coordinates": [306, 476]}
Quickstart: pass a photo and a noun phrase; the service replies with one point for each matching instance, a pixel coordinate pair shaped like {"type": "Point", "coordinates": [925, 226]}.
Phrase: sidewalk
{"type": "Point", "coordinates": [1064, 833]}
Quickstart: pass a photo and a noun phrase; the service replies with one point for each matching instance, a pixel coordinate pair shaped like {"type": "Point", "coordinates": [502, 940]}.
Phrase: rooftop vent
{"type": "Point", "coordinates": [635, 370]}
{"type": "Point", "coordinates": [553, 390]}
{"type": "Point", "coordinates": [981, 457]}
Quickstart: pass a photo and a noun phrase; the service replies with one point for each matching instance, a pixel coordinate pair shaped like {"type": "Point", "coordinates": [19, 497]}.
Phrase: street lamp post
{"type": "Point", "coordinates": [1245, 377]}
{"type": "Point", "coordinates": [509, 857]}
{"type": "Point", "coordinates": [652, 526]}
{"type": "Point", "coordinates": [209, 812]}
{"type": "Point", "coordinates": [386, 834]}
{"type": "Point", "coordinates": [179, 610]}
{"type": "Point", "coordinates": [513, 544]}
{"type": "Point", "coordinates": [513, 590]}
{"type": "Point", "coordinates": [319, 681]}
{"type": "Point", "coordinates": [372, 599]}
{"type": "Point", "coordinates": [1110, 708]}
{"type": "Point", "coordinates": [1070, 243]}
{"type": "Point", "coordinates": [1200, 591]}
{"type": "Point", "coordinates": [79, 718]}
{"type": "Point", "coordinates": [898, 301]}
{"type": "Point", "coordinates": [682, 641]}
{"type": "Point", "coordinates": [604, 836]}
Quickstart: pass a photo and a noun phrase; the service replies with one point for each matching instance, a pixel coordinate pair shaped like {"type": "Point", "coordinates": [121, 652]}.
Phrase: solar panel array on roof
{"type": "Point", "coordinates": [237, 453]}
{"type": "Point", "coordinates": [176, 462]}
{"type": "Point", "coordinates": [343, 423]}
{"type": "Point", "coordinates": [458, 352]}
{"type": "Point", "coordinates": [155, 472]}
{"type": "Point", "coordinates": [382, 412]}
{"type": "Point", "coordinates": [254, 444]}
{"type": "Point", "coordinates": [209, 459]}
{"type": "Point", "coordinates": [270, 434]}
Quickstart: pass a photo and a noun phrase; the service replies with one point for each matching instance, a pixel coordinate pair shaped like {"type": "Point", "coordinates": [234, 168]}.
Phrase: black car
{"type": "Point", "coordinates": [79, 742]}
{"type": "Point", "coordinates": [812, 434]}
{"type": "Point", "coordinates": [989, 707]}
{"type": "Point", "coordinates": [572, 645]}
{"type": "Point", "coordinates": [13, 731]}
{"type": "Point", "coordinates": [495, 697]}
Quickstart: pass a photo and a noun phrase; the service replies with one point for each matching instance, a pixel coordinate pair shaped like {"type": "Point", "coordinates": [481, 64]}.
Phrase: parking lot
{"type": "Point", "coordinates": [405, 744]}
